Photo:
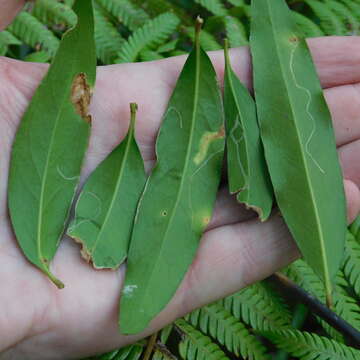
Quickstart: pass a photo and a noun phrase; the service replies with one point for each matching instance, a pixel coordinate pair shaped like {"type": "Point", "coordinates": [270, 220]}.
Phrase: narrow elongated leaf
{"type": "Point", "coordinates": [50, 144]}
{"type": "Point", "coordinates": [107, 204]}
{"type": "Point", "coordinates": [298, 138]}
{"type": "Point", "coordinates": [177, 203]}
{"type": "Point", "coordinates": [247, 170]}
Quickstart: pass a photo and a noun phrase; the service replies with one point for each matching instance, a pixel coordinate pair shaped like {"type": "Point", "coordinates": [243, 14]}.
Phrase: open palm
{"type": "Point", "coordinates": [38, 321]}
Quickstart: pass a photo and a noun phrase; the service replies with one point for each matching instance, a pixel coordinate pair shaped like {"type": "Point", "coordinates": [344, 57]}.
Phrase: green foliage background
{"type": "Point", "coordinates": [258, 322]}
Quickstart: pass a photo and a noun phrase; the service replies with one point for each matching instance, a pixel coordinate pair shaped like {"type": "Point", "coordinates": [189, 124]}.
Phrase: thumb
{"type": "Point", "coordinates": [9, 9]}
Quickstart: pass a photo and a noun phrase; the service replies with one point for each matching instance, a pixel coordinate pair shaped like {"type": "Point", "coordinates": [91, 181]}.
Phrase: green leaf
{"type": "Point", "coordinates": [50, 144]}
{"type": "Point", "coordinates": [153, 33]}
{"type": "Point", "coordinates": [197, 346]}
{"type": "Point", "coordinates": [307, 346]}
{"type": "Point", "coordinates": [222, 326]}
{"type": "Point", "coordinates": [178, 199]}
{"type": "Point", "coordinates": [107, 204]}
{"type": "Point", "coordinates": [298, 138]}
{"type": "Point", "coordinates": [247, 170]}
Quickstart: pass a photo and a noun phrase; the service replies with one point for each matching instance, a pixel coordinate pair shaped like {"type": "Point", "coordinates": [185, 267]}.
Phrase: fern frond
{"type": "Point", "coordinates": [216, 7]}
{"type": "Point", "coordinates": [131, 352]}
{"type": "Point", "coordinates": [197, 346]}
{"type": "Point", "coordinates": [163, 353]}
{"type": "Point", "coordinates": [235, 31]}
{"type": "Point", "coordinates": [351, 265]}
{"type": "Point", "coordinates": [7, 39]}
{"type": "Point", "coordinates": [157, 7]}
{"type": "Point", "coordinates": [165, 333]}
{"type": "Point", "coordinates": [259, 306]}
{"type": "Point", "coordinates": [107, 38]}
{"type": "Point", "coordinates": [238, 3]}
{"type": "Point", "coordinates": [32, 32]}
{"type": "Point", "coordinates": [308, 27]}
{"type": "Point", "coordinates": [150, 55]}
{"type": "Point", "coordinates": [353, 6]}
{"type": "Point", "coordinates": [153, 33]}
{"type": "Point", "coordinates": [355, 229]}
{"type": "Point", "coordinates": [308, 346]}
{"type": "Point", "coordinates": [38, 56]}
{"type": "Point", "coordinates": [207, 40]}
{"type": "Point", "coordinates": [329, 21]}
{"type": "Point", "coordinates": [167, 47]}
{"type": "Point", "coordinates": [125, 12]}
{"type": "Point", "coordinates": [158, 355]}
{"type": "Point", "coordinates": [52, 12]}
{"type": "Point", "coordinates": [303, 275]}
{"type": "Point", "coordinates": [221, 325]}
{"type": "Point", "coordinates": [347, 17]}
{"type": "Point", "coordinates": [69, 3]}
{"type": "Point", "coordinates": [344, 305]}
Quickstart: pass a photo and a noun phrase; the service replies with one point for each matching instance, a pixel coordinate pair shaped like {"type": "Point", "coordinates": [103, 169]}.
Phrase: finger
{"type": "Point", "coordinates": [9, 9]}
{"type": "Point", "coordinates": [349, 159]}
{"type": "Point", "coordinates": [336, 59]}
{"type": "Point", "coordinates": [228, 210]}
{"type": "Point", "coordinates": [344, 105]}
{"type": "Point", "coordinates": [352, 193]}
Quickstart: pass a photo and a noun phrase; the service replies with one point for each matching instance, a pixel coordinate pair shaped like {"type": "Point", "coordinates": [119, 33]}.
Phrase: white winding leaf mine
{"type": "Point", "coordinates": [295, 40]}
{"type": "Point", "coordinates": [81, 96]}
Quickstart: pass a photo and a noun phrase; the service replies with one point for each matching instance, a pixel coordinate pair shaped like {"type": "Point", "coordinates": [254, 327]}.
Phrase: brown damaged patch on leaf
{"type": "Point", "coordinates": [86, 255]}
{"type": "Point", "coordinates": [81, 96]}
{"type": "Point", "coordinates": [205, 142]}
{"type": "Point", "coordinates": [84, 251]}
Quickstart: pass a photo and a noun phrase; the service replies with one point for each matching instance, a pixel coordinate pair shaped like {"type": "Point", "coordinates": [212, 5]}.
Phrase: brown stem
{"type": "Point", "coordinates": [150, 346]}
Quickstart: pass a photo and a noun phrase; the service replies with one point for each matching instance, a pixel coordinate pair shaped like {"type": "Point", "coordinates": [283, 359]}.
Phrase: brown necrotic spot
{"type": "Point", "coordinates": [81, 95]}
{"type": "Point", "coordinates": [205, 142]}
{"type": "Point", "coordinates": [294, 39]}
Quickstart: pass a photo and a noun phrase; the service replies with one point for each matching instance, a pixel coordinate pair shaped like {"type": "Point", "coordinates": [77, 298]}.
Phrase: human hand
{"type": "Point", "coordinates": [38, 321]}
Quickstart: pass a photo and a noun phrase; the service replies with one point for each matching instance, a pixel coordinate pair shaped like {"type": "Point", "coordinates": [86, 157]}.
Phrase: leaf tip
{"type": "Point", "coordinates": [198, 25]}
